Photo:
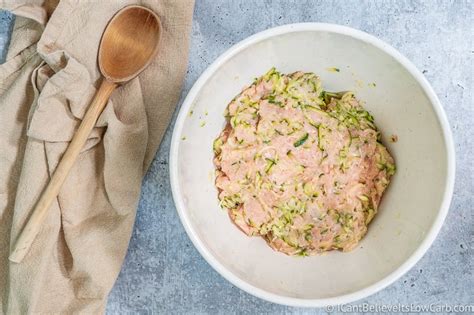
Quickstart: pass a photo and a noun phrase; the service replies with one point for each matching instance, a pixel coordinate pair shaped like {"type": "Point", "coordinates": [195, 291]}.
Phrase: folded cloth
{"type": "Point", "coordinates": [46, 84]}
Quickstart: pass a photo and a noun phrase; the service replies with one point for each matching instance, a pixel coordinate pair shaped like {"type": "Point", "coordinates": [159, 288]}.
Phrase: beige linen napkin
{"type": "Point", "coordinates": [47, 82]}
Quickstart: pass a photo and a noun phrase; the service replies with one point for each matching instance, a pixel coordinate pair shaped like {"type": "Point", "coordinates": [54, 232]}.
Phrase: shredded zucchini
{"type": "Point", "coordinates": [301, 140]}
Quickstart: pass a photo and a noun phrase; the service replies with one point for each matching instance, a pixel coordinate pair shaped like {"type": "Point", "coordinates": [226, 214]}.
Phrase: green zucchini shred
{"type": "Point", "coordinates": [301, 140]}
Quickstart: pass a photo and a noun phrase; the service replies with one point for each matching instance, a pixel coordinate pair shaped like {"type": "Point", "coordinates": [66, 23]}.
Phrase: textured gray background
{"type": "Point", "coordinates": [163, 273]}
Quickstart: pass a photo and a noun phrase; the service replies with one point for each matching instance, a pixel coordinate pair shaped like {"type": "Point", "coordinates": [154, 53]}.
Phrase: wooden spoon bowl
{"type": "Point", "coordinates": [128, 43]}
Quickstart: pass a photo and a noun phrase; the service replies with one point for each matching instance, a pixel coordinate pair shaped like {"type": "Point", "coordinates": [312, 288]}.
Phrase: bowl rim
{"type": "Point", "coordinates": [429, 237]}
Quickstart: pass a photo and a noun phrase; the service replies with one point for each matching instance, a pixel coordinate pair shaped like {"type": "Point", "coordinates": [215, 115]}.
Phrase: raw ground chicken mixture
{"type": "Point", "coordinates": [302, 167]}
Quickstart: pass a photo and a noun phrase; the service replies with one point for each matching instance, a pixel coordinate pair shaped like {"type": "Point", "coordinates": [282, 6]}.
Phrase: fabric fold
{"type": "Point", "coordinates": [48, 81]}
{"type": "Point", "coordinates": [62, 101]}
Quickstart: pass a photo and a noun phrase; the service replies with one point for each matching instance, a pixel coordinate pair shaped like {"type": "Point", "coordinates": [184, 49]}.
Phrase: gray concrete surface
{"type": "Point", "coordinates": [6, 24]}
{"type": "Point", "coordinates": [164, 274]}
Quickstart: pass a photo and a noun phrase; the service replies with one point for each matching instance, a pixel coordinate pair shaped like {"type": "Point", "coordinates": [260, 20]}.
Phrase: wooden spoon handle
{"type": "Point", "coordinates": [33, 225]}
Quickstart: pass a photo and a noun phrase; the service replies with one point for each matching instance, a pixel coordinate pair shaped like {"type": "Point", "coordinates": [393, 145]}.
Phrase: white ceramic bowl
{"type": "Point", "coordinates": [412, 210]}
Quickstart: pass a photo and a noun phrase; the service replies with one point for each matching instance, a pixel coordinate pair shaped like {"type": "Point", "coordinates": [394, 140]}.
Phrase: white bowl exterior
{"type": "Point", "coordinates": [412, 210]}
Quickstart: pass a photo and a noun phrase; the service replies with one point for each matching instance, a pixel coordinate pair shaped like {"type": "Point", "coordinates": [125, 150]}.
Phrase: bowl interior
{"type": "Point", "coordinates": [409, 206]}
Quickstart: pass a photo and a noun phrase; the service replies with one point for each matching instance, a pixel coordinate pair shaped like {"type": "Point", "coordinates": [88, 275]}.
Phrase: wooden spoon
{"type": "Point", "coordinates": [127, 47]}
